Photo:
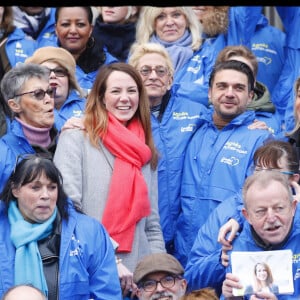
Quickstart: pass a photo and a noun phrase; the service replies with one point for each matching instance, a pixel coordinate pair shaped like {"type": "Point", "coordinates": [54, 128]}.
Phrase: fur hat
{"type": "Point", "coordinates": [157, 262]}
{"type": "Point", "coordinates": [60, 56]}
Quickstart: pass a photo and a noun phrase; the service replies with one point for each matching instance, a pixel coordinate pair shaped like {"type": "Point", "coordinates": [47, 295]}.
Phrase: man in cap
{"type": "Point", "coordinates": [159, 276]}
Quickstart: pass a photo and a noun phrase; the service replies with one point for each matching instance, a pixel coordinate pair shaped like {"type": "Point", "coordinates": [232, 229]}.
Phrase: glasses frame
{"type": "Point", "coordinates": [151, 69]}
{"type": "Point", "coordinates": [174, 277]}
{"type": "Point", "coordinates": [61, 71]}
{"type": "Point", "coordinates": [49, 91]}
{"type": "Point", "coordinates": [273, 169]}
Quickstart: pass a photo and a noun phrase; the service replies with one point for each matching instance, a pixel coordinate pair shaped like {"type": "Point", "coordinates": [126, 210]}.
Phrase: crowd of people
{"type": "Point", "coordinates": [141, 146]}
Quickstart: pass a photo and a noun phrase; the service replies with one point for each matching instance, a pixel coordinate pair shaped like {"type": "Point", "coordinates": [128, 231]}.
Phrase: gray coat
{"type": "Point", "coordinates": [87, 173]}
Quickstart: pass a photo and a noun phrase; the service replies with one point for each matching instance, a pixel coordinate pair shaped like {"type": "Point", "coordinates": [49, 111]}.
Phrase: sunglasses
{"type": "Point", "coordinates": [39, 94]}
{"type": "Point", "coordinates": [59, 72]}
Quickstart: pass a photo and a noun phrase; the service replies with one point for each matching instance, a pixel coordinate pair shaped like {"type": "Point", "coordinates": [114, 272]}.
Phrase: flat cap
{"type": "Point", "coordinates": [157, 262]}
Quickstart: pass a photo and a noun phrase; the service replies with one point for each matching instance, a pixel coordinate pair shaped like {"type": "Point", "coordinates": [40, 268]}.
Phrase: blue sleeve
{"type": "Point", "coordinates": [242, 23]}
{"type": "Point", "coordinates": [290, 17]}
{"type": "Point", "coordinates": [104, 279]}
{"type": "Point", "coordinates": [193, 78]}
{"type": "Point", "coordinates": [285, 93]}
{"type": "Point", "coordinates": [204, 267]}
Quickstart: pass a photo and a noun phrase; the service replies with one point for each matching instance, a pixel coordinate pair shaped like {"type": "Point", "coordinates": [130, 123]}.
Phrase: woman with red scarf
{"type": "Point", "coordinates": [109, 169]}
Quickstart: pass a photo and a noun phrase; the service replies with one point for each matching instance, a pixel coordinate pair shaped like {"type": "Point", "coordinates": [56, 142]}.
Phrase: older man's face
{"type": "Point", "coordinates": [174, 290]}
{"type": "Point", "coordinates": [270, 211]}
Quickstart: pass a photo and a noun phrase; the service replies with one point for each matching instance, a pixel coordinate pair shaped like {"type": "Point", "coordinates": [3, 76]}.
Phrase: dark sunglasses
{"type": "Point", "coordinates": [39, 94]}
{"type": "Point", "coordinates": [59, 72]}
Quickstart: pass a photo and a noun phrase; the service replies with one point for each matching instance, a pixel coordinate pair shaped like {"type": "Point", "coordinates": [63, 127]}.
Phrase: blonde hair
{"type": "Point", "coordinates": [137, 51]}
{"type": "Point", "coordinates": [145, 27]}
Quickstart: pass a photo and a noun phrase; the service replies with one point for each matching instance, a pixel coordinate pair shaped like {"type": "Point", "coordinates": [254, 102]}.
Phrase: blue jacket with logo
{"type": "Point", "coordinates": [19, 46]}
{"type": "Point", "coordinates": [171, 135]}
{"type": "Point", "coordinates": [246, 27]}
{"type": "Point", "coordinates": [215, 166]}
{"type": "Point", "coordinates": [12, 144]}
{"type": "Point", "coordinates": [73, 107]}
{"type": "Point", "coordinates": [245, 242]}
{"type": "Point", "coordinates": [87, 268]}
{"type": "Point", "coordinates": [268, 45]}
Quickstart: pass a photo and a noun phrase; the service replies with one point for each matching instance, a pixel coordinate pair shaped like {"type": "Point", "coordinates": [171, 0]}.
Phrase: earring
{"type": "Point", "coordinates": [91, 42]}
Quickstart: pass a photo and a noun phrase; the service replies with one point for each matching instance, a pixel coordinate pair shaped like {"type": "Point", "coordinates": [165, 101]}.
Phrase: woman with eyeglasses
{"type": "Point", "coordinates": [48, 243]}
{"type": "Point", "coordinates": [178, 30]}
{"type": "Point", "coordinates": [29, 96]}
{"type": "Point", "coordinates": [173, 122]}
{"type": "Point", "coordinates": [69, 100]}
{"type": "Point", "coordinates": [110, 168]}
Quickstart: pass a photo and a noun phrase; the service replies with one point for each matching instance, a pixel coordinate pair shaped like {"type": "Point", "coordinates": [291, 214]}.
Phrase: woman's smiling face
{"type": "Point", "coordinates": [121, 97]}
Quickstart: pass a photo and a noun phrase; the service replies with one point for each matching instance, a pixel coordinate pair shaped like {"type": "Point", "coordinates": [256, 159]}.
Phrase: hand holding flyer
{"type": "Point", "coordinates": [269, 271]}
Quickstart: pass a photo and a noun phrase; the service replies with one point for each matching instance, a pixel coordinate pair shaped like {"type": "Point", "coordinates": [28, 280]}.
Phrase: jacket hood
{"type": "Point", "coordinates": [262, 99]}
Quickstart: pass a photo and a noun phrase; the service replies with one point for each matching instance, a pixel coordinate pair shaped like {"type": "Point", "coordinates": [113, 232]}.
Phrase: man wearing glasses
{"type": "Point", "coordinates": [159, 276]}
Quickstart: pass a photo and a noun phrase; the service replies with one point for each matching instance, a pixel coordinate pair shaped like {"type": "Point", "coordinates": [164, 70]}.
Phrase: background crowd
{"type": "Point", "coordinates": [130, 143]}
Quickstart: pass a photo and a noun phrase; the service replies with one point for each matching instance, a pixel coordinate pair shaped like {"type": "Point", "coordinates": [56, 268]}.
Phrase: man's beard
{"type": "Point", "coordinates": [216, 21]}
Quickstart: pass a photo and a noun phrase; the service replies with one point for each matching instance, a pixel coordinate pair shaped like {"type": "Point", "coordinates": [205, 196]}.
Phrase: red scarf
{"type": "Point", "coordinates": [128, 200]}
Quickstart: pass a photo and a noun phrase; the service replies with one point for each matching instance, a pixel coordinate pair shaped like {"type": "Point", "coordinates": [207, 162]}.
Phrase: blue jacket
{"type": "Point", "coordinates": [171, 135]}
{"type": "Point", "coordinates": [204, 266]}
{"type": "Point", "coordinates": [245, 242]}
{"type": "Point", "coordinates": [247, 26]}
{"type": "Point", "coordinates": [73, 107]}
{"type": "Point", "coordinates": [12, 144]}
{"type": "Point", "coordinates": [215, 167]}
{"type": "Point", "coordinates": [19, 46]}
{"type": "Point", "coordinates": [86, 261]}
{"type": "Point", "coordinates": [267, 43]}
{"type": "Point", "coordinates": [284, 96]}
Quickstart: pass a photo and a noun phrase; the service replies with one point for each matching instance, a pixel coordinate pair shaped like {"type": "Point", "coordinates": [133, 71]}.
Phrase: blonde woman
{"type": "Point", "coordinates": [173, 122]}
{"type": "Point", "coordinates": [180, 32]}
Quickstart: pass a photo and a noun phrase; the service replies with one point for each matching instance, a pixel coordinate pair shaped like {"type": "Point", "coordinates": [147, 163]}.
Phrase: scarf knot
{"type": "Point", "coordinates": [128, 199]}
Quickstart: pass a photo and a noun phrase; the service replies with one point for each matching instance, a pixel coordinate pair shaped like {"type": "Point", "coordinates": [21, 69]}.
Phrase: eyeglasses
{"type": "Point", "coordinates": [39, 94]}
{"type": "Point", "coordinates": [258, 169]}
{"type": "Point", "coordinates": [166, 282]}
{"type": "Point", "coordinates": [159, 70]}
{"type": "Point", "coordinates": [28, 156]}
{"type": "Point", "coordinates": [59, 72]}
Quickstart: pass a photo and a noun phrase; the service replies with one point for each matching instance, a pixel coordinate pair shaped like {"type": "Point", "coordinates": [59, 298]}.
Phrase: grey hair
{"type": "Point", "coordinates": [263, 179]}
{"type": "Point", "coordinates": [14, 80]}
